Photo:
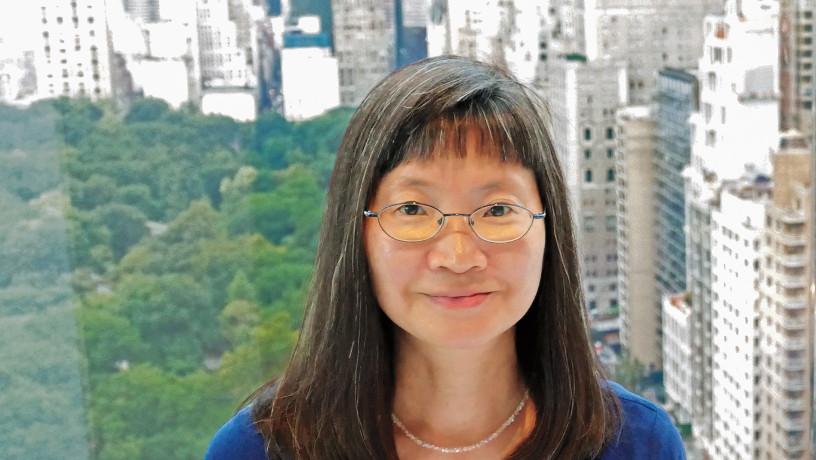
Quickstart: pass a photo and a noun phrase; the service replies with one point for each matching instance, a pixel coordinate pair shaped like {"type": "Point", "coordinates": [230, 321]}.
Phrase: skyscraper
{"type": "Point", "coordinates": [364, 44]}
{"type": "Point", "coordinates": [786, 314]}
{"type": "Point", "coordinates": [585, 96]}
{"type": "Point", "coordinates": [73, 58]}
{"type": "Point", "coordinates": [635, 173]}
{"type": "Point", "coordinates": [677, 99]}
{"type": "Point", "coordinates": [737, 125]}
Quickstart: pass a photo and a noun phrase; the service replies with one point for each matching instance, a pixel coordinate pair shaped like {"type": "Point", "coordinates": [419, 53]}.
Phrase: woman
{"type": "Point", "coordinates": [446, 316]}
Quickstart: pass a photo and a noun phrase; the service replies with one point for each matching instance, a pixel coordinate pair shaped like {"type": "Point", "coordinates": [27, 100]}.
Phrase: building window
{"type": "Point", "coordinates": [588, 154]}
{"type": "Point", "coordinates": [588, 175]}
{"type": "Point", "coordinates": [610, 133]}
{"type": "Point", "coordinates": [610, 153]}
{"type": "Point", "coordinates": [711, 138]}
{"type": "Point", "coordinates": [610, 175]}
{"type": "Point", "coordinates": [717, 54]}
{"type": "Point", "coordinates": [587, 134]}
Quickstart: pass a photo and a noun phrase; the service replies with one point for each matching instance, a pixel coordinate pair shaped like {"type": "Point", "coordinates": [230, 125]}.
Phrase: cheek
{"type": "Point", "coordinates": [521, 268]}
{"type": "Point", "coordinates": [392, 270]}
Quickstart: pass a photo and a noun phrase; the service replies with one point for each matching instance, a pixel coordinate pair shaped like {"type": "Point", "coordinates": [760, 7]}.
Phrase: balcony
{"type": "Point", "coordinates": [794, 344]}
{"type": "Point", "coordinates": [793, 324]}
{"type": "Point", "coordinates": [792, 385]}
{"type": "Point", "coordinates": [791, 260]}
{"type": "Point", "coordinates": [794, 303]}
{"type": "Point", "coordinates": [789, 424]}
{"type": "Point", "coordinates": [789, 239]}
{"type": "Point", "coordinates": [787, 281]}
{"type": "Point", "coordinates": [793, 364]}
{"type": "Point", "coordinates": [792, 445]}
{"type": "Point", "coordinates": [793, 404]}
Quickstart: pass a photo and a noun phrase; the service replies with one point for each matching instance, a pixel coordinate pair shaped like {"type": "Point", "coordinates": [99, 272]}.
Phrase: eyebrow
{"type": "Point", "coordinates": [420, 183]}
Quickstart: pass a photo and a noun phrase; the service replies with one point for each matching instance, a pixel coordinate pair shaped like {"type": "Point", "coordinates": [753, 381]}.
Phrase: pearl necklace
{"type": "Point", "coordinates": [459, 450]}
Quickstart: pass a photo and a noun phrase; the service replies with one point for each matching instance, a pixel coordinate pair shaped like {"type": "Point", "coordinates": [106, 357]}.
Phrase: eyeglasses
{"type": "Point", "coordinates": [413, 222]}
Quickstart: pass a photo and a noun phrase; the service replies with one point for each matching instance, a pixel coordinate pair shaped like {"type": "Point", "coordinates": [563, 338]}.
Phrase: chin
{"type": "Point", "coordinates": [458, 337]}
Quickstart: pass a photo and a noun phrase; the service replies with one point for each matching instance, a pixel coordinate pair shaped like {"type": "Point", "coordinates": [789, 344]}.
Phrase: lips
{"type": "Point", "coordinates": [464, 300]}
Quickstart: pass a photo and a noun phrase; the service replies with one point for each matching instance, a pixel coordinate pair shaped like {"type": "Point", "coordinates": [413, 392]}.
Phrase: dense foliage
{"type": "Point", "coordinates": [153, 266]}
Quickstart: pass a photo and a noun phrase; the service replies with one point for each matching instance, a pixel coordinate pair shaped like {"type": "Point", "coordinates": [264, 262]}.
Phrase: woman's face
{"type": "Point", "coordinates": [426, 288]}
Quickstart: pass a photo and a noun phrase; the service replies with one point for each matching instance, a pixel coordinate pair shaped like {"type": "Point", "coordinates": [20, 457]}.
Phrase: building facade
{"type": "Point", "coordinates": [364, 44]}
{"type": "Point", "coordinates": [634, 173]}
{"type": "Point", "coordinates": [73, 57]}
{"type": "Point", "coordinates": [786, 314]}
{"type": "Point", "coordinates": [737, 224]}
{"type": "Point", "coordinates": [736, 127]}
{"type": "Point", "coordinates": [585, 97]}
{"type": "Point", "coordinates": [677, 99]}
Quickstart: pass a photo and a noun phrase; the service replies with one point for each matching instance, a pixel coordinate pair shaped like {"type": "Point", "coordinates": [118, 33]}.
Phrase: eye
{"type": "Point", "coordinates": [498, 210]}
{"type": "Point", "coordinates": [411, 209]}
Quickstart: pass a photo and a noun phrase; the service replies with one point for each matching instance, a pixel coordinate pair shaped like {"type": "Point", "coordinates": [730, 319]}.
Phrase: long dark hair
{"type": "Point", "coordinates": [334, 399]}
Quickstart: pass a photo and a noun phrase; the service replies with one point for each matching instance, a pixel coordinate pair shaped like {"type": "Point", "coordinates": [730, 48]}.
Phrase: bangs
{"type": "Point", "coordinates": [480, 126]}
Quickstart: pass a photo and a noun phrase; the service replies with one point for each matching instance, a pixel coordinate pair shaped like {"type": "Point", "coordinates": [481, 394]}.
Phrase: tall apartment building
{"type": "Point", "coordinates": [635, 173]}
{"type": "Point", "coordinates": [225, 61]}
{"type": "Point", "coordinates": [736, 126]}
{"type": "Point", "coordinates": [786, 313]}
{"type": "Point", "coordinates": [678, 352]}
{"type": "Point", "coordinates": [73, 56]}
{"type": "Point", "coordinates": [737, 224]}
{"type": "Point", "coordinates": [585, 96]}
{"type": "Point", "coordinates": [364, 44]}
{"type": "Point", "coordinates": [796, 59]}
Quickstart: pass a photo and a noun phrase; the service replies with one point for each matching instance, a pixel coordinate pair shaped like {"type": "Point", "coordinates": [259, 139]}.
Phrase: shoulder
{"type": "Point", "coordinates": [237, 439]}
{"type": "Point", "coordinates": [646, 431]}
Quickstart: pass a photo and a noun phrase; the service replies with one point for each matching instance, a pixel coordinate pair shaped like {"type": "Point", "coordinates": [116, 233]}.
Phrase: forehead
{"type": "Point", "coordinates": [473, 172]}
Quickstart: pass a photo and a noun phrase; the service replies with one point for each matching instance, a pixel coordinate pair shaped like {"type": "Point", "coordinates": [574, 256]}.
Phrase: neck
{"type": "Point", "coordinates": [456, 396]}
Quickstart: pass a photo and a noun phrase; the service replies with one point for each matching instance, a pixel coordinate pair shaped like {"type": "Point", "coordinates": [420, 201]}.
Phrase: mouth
{"type": "Point", "coordinates": [460, 301]}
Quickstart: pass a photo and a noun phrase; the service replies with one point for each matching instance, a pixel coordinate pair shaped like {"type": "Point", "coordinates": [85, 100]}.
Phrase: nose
{"type": "Point", "coordinates": [456, 247]}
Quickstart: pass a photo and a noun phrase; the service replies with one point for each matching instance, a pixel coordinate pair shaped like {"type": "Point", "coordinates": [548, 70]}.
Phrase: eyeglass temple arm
{"type": "Point", "coordinates": [368, 213]}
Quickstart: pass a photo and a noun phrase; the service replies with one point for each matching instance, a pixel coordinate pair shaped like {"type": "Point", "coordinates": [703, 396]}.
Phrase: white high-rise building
{"type": "Point", "coordinates": [73, 56]}
{"type": "Point", "coordinates": [736, 233]}
{"type": "Point", "coordinates": [585, 97]}
{"type": "Point", "coordinates": [159, 58]}
{"type": "Point", "coordinates": [736, 127]}
{"type": "Point", "coordinates": [677, 356]}
{"type": "Point", "coordinates": [501, 32]}
{"type": "Point", "coordinates": [309, 78]}
{"type": "Point", "coordinates": [224, 62]}
{"type": "Point", "coordinates": [229, 53]}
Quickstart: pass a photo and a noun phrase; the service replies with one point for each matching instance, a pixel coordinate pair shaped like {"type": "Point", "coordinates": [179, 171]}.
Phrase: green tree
{"type": "Point", "coordinates": [126, 225]}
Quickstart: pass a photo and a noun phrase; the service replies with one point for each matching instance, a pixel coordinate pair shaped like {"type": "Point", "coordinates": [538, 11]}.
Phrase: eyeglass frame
{"type": "Point", "coordinates": [445, 215]}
